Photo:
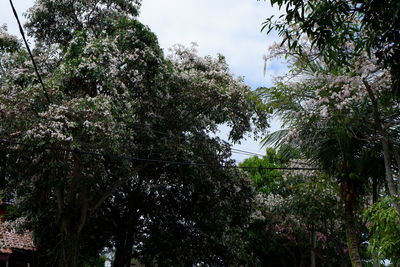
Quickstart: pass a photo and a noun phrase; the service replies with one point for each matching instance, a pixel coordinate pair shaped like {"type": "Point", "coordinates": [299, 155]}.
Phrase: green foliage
{"type": "Point", "coordinates": [94, 262]}
{"type": "Point", "coordinates": [58, 21]}
{"type": "Point", "coordinates": [332, 25]}
{"type": "Point", "coordinates": [292, 206]}
{"type": "Point", "coordinates": [265, 180]}
{"type": "Point", "coordinates": [113, 92]}
{"type": "Point", "coordinates": [337, 104]}
{"type": "Point", "coordinates": [326, 103]}
{"type": "Point", "coordinates": [383, 221]}
{"type": "Point", "coordinates": [8, 43]}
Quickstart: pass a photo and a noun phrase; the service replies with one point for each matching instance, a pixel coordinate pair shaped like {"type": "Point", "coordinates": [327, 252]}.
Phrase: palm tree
{"type": "Point", "coordinates": [343, 152]}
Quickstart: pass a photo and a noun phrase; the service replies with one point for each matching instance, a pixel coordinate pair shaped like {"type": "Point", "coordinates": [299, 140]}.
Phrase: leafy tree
{"type": "Point", "coordinates": [328, 111]}
{"type": "Point", "coordinates": [265, 180]}
{"type": "Point", "coordinates": [372, 26]}
{"type": "Point", "coordinates": [356, 42]}
{"type": "Point", "coordinates": [355, 37]}
{"type": "Point", "coordinates": [383, 222]}
{"type": "Point", "coordinates": [112, 92]}
{"type": "Point", "coordinates": [299, 218]}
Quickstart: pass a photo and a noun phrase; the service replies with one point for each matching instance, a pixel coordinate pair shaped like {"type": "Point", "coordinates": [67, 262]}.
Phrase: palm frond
{"type": "Point", "coordinates": [274, 139]}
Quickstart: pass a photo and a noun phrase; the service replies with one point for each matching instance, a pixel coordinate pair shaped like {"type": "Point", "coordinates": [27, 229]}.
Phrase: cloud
{"type": "Point", "coordinates": [276, 68]}
{"type": "Point", "coordinates": [7, 16]}
{"type": "Point", "coordinates": [229, 27]}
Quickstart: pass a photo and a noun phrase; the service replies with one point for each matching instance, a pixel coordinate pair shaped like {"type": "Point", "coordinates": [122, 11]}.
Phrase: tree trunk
{"type": "Point", "coordinates": [374, 190]}
{"type": "Point", "coordinates": [69, 233]}
{"type": "Point", "coordinates": [123, 252]}
{"type": "Point", "coordinates": [352, 240]}
{"type": "Point", "coordinates": [126, 225]}
{"type": "Point", "coordinates": [384, 137]}
{"type": "Point", "coordinates": [397, 158]}
{"type": "Point", "coordinates": [388, 166]}
{"type": "Point", "coordinates": [313, 241]}
{"type": "Point", "coordinates": [388, 169]}
{"type": "Point", "coordinates": [70, 250]}
{"type": "Point", "coordinates": [349, 196]}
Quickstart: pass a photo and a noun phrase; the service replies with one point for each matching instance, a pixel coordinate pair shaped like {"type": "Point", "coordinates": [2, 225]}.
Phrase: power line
{"type": "Point", "coordinates": [21, 30]}
{"type": "Point", "coordinates": [233, 150]}
{"type": "Point", "coordinates": [182, 138]}
{"type": "Point", "coordinates": [238, 151]}
{"type": "Point", "coordinates": [129, 158]}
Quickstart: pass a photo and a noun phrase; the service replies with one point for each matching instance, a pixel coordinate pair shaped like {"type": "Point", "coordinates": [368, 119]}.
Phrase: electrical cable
{"type": "Point", "coordinates": [233, 150]}
{"type": "Point", "coordinates": [238, 151]}
{"type": "Point", "coordinates": [21, 30]}
{"type": "Point", "coordinates": [129, 158]}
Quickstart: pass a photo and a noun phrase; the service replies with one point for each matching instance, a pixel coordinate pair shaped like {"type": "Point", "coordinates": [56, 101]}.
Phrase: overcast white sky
{"type": "Point", "coordinates": [229, 27]}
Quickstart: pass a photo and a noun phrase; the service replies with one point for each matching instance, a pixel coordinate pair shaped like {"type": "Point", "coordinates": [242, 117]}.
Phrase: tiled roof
{"type": "Point", "coordinates": [10, 239]}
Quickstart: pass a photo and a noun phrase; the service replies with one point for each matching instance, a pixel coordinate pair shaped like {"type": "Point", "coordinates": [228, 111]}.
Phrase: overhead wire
{"type": "Point", "coordinates": [21, 30]}
{"type": "Point", "coordinates": [244, 152]}
{"type": "Point", "coordinates": [233, 150]}
{"type": "Point", "coordinates": [130, 158]}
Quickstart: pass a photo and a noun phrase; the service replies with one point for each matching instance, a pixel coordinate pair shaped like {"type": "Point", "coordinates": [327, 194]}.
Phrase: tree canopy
{"type": "Point", "coordinates": [109, 143]}
{"type": "Point", "coordinates": [339, 99]}
{"type": "Point", "coordinates": [122, 154]}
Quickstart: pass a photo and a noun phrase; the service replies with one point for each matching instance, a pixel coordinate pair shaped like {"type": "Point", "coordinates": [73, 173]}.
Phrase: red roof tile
{"type": "Point", "coordinates": [10, 239]}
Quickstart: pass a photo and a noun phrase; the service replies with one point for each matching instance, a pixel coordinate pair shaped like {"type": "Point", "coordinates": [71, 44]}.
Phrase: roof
{"type": "Point", "coordinates": [11, 239]}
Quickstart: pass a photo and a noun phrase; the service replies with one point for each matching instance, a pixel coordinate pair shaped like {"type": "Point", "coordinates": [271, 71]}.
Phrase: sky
{"type": "Point", "coordinates": [229, 27]}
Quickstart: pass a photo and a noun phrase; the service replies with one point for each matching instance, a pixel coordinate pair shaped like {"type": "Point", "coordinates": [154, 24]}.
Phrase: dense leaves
{"type": "Point", "coordinates": [383, 221]}
{"type": "Point", "coordinates": [299, 215]}
{"type": "Point", "coordinates": [122, 156]}
{"type": "Point", "coordinates": [372, 26]}
{"type": "Point", "coordinates": [337, 99]}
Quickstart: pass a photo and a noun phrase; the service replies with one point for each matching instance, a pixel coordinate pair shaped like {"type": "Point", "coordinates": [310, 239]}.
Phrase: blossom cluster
{"type": "Point", "coordinates": [210, 79]}
{"type": "Point", "coordinates": [6, 37]}
{"type": "Point", "coordinates": [113, 66]}
{"type": "Point", "coordinates": [319, 93]}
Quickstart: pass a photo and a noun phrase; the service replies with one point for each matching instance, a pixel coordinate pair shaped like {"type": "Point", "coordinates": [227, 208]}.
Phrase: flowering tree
{"type": "Point", "coordinates": [328, 111]}
{"type": "Point", "coordinates": [118, 119]}
{"type": "Point", "coordinates": [330, 25]}
{"type": "Point", "coordinates": [298, 221]}
{"type": "Point", "coordinates": [357, 38]}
